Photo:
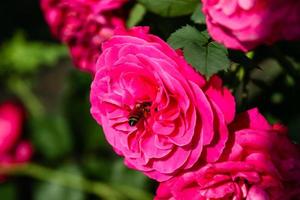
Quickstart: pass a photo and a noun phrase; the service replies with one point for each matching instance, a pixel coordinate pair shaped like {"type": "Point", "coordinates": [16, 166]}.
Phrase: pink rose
{"type": "Point", "coordinates": [12, 150]}
{"type": "Point", "coordinates": [83, 25]}
{"type": "Point", "coordinates": [11, 120]}
{"type": "Point", "coordinates": [244, 25]}
{"type": "Point", "coordinates": [155, 109]}
{"type": "Point", "coordinates": [260, 163]}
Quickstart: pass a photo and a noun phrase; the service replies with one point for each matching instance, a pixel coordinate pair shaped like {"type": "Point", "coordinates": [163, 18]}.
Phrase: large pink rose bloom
{"type": "Point", "coordinates": [246, 24]}
{"type": "Point", "coordinates": [155, 109]}
{"type": "Point", "coordinates": [83, 25]}
{"type": "Point", "coordinates": [13, 151]}
{"type": "Point", "coordinates": [260, 163]}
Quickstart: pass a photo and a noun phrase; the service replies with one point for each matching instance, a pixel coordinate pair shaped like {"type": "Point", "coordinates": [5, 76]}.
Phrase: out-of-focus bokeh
{"type": "Point", "coordinates": [71, 158]}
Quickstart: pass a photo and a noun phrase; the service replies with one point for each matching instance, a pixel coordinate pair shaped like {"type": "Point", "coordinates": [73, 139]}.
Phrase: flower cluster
{"type": "Point", "coordinates": [165, 118]}
{"type": "Point", "coordinates": [179, 129]}
{"type": "Point", "coordinates": [259, 163]}
{"type": "Point", "coordinates": [244, 25]}
{"type": "Point", "coordinates": [13, 151]}
{"type": "Point", "coordinates": [83, 25]}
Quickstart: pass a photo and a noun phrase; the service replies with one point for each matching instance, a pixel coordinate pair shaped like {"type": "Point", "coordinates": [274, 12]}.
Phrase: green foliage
{"type": "Point", "coordinates": [50, 191]}
{"type": "Point", "coordinates": [136, 15]}
{"type": "Point", "coordinates": [96, 166]}
{"type": "Point", "coordinates": [198, 17]}
{"type": "Point", "coordinates": [125, 179]}
{"type": "Point", "coordinates": [205, 55]}
{"type": "Point", "coordinates": [8, 191]}
{"type": "Point", "coordinates": [186, 35]}
{"type": "Point", "coordinates": [22, 56]}
{"type": "Point", "coordinates": [121, 175]}
{"type": "Point", "coordinates": [51, 136]}
{"type": "Point", "coordinates": [170, 8]}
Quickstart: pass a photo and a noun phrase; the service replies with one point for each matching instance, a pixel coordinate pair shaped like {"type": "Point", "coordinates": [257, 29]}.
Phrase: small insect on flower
{"type": "Point", "coordinates": [140, 111]}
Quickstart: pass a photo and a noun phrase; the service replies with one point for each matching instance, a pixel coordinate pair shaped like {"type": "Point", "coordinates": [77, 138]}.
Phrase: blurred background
{"type": "Point", "coordinates": [71, 159]}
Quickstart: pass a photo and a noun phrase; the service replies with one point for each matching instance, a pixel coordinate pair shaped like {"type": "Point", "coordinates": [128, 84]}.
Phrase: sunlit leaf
{"type": "Point", "coordinates": [136, 15]}
{"type": "Point", "coordinates": [23, 56]}
{"type": "Point", "coordinates": [207, 56]}
{"type": "Point", "coordinates": [198, 17]}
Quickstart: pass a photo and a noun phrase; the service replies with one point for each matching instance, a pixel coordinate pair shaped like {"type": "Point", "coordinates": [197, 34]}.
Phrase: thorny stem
{"type": "Point", "coordinates": [242, 90]}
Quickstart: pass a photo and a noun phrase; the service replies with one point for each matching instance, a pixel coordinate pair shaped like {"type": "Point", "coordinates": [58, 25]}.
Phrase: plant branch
{"type": "Point", "coordinates": [22, 90]}
{"type": "Point", "coordinates": [61, 178]}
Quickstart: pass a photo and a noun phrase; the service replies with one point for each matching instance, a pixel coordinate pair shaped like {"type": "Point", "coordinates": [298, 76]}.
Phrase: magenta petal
{"type": "Point", "coordinates": [222, 97]}
{"type": "Point", "coordinates": [24, 151]}
{"type": "Point", "coordinates": [162, 128]}
{"type": "Point", "coordinates": [251, 119]}
{"type": "Point", "coordinates": [185, 132]}
{"type": "Point", "coordinates": [256, 193]}
{"type": "Point", "coordinates": [160, 177]}
{"type": "Point", "coordinates": [215, 149]}
{"type": "Point", "coordinates": [163, 192]}
{"type": "Point", "coordinates": [151, 151]}
{"type": "Point", "coordinates": [206, 114]}
{"type": "Point", "coordinates": [175, 160]}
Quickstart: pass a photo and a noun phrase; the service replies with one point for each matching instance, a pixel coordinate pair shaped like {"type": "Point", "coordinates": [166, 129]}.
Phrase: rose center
{"type": "Point", "coordinates": [140, 111]}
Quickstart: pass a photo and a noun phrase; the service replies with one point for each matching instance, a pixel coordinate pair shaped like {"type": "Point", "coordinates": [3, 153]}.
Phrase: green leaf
{"type": "Point", "coordinates": [51, 136]}
{"type": "Point", "coordinates": [198, 17]}
{"type": "Point", "coordinates": [50, 191]}
{"type": "Point", "coordinates": [207, 56]}
{"type": "Point", "coordinates": [208, 59]}
{"type": "Point", "coordinates": [136, 15]}
{"type": "Point", "coordinates": [22, 56]}
{"type": "Point", "coordinates": [186, 35]}
{"type": "Point", "coordinates": [170, 8]}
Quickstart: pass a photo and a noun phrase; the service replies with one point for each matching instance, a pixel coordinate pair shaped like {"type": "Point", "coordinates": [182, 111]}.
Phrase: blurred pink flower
{"type": "Point", "coordinates": [11, 120]}
{"type": "Point", "coordinates": [83, 25]}
{"type": "Point", "coordinates": [12, 150]}
{"type": "Point", "coordinates": [260, 163]}
{"type": "Point", "coordinates": [244, 25]}
{"type": "Point", "coordinates": [155, 109]}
